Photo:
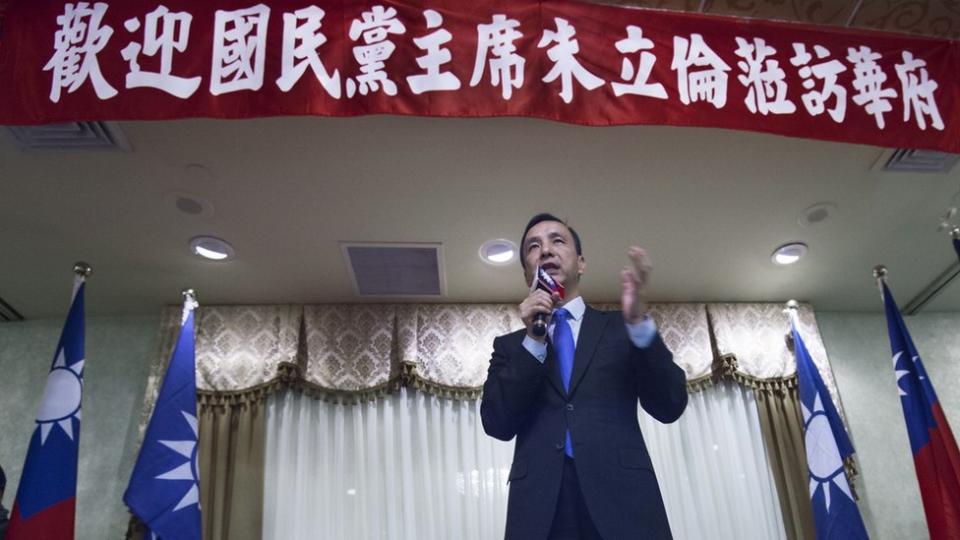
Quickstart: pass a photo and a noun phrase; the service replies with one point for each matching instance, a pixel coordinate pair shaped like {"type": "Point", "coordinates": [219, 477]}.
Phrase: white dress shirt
{"type": "Point", "coordinates": [641, 333]}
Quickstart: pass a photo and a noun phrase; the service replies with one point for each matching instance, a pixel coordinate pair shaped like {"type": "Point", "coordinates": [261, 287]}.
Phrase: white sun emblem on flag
{"type": "Point", "coordinates": [826, 466]}
{"type": "Point", "coordinates": [61, 398]}
{"type": "Point", "coordinates": [901, 373]}
{"type": "Point", "coordinates": [188, 470]}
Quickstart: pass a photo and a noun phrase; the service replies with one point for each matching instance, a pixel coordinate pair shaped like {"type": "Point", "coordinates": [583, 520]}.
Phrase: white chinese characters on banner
{"type": "Point", "coordinates": [565, 63]}
{"type": "Point", "coordinates": [160, 37]}
{"type": "Point", "coordinates": [917, 91]}
{"type": "Point", "coordinates": [433, 80]}
{"type": "Point", "coordinates": [75, 48]}
{"type": "Point", "coordinates": [763, 78]}
{"type": "Point", "coordinates": [301, 40]}
{"type": "Point", "coordinates": [506, 66]}
{"type": "Point", "coordinates": [815, 101]}
{"type": "Point", "coordinates": [868, 82]}
{"type": "Point", "coordinates": [239, 49]}
{"type": "Point", "coordinates": [164, 32]}
{"type": "Point", "coordinates": [635, 42]}
{"type": "Point", "coordinates": [708, 81]}
{"type": "Point", "coordinates": [375, 26]}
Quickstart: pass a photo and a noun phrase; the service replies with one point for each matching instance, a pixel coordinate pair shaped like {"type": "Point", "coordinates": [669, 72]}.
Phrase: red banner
{"type": "Point", "coordinates": [560, 60]}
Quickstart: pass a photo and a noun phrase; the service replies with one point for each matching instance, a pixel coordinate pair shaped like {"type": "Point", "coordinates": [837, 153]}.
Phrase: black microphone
{"type": "Point", "coordinates": [547, 283]}
{"type": "Point", "coordinates": [540, 324]}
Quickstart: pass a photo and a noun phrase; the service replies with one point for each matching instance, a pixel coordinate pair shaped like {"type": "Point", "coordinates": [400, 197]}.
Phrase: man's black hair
{"type": "Point", "coordinates": [540, 218]}
{"type": "Point", "coordinates": [3, 481]}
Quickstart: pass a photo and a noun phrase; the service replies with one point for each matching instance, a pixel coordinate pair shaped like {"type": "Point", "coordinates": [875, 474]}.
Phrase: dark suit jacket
{"type": "Point", "coordinates": [525, 399]}
{"type": "Point", "coordinates": [4, 521]}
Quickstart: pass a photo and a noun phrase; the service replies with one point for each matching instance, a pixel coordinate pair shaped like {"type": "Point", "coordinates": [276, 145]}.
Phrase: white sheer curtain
{"type": "Point", "coordinates": [409, 466]}
{"type": "Point", "coordinates": [412, 466]}
{"type": "Point", "coordinates": [712, 468]}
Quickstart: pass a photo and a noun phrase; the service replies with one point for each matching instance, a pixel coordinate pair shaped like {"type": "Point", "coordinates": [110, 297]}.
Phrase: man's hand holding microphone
{"type": "Point", "coordinates": [537, 308]}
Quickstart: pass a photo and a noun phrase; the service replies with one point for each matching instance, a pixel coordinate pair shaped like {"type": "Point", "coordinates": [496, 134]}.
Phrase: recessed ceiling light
{"type": "Point", "coordinates": [498, 252]}
{"type": "Point", "coordinates": [211, 247]}
{"type": "Point", "coordinates": [788, 253]}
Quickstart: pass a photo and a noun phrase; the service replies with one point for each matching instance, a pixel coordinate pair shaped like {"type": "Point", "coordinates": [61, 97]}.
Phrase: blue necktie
{"type": "Point", "coordinates": [563, 343]}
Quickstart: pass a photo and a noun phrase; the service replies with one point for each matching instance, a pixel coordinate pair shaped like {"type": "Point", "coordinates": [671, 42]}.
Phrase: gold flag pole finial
{"type": "Point", "coordinates": [880, 274]}
{"type": "Point", "coordinates": [189, 303]}
{"type": "Point", "coordinates": [82, 269]}
{"type": "Point", "coordinates": [791, 310]}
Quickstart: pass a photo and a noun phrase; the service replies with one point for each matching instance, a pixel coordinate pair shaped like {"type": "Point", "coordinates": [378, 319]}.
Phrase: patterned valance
{"type": "Point", "coordinates": [360, 351]}
{"type": "Point", "coordinates": [240, 347]}
{"type": "Point", "coordinates": [350, 347]}
{"type": "Point", "coordinates": [450, 344]}
{"type": "Point", "coordinates": [756, 337]}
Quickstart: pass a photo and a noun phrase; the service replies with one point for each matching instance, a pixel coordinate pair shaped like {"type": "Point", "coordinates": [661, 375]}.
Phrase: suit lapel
{"type": "Point", "coordinates": [590, 332]}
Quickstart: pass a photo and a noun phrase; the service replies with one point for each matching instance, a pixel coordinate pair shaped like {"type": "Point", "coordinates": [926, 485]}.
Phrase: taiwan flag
{"type": "Point", "coordinates": [835, 512]}
{"type": "Point", "coordinates": [935, 455]}
{"type": "Point", "coordinates": [45, 506]}
{"type": "Point", "coordinates": [164, 490]}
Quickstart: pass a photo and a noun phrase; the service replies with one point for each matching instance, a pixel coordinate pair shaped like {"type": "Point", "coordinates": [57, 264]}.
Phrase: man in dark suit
{"type": "Point", "coordinates": [580, 467]}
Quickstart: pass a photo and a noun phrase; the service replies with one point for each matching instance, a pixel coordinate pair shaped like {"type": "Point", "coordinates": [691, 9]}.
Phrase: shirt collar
{"type": "Point", "coordinates": [575, 307]}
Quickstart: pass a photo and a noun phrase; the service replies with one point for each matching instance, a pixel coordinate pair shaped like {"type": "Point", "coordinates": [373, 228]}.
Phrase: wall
{"type": "Point", "coordinates": [859, 349]}
{"type": "Point", "coordinates": [119, 350]}
{"type": "Point", "coordinates": [118, 355]}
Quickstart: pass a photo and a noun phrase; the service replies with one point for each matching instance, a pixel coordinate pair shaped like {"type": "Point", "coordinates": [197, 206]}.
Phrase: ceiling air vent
{"type": "Point", "coordinates": [913, 160]}
{"type": "Point", "coordinates": [414, 270]}
{"type": "Point", "coordinates": [71, 136]}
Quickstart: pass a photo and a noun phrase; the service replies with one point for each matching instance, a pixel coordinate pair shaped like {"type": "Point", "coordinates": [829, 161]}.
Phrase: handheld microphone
{"type": "Point", "coordinates": [542, 280]}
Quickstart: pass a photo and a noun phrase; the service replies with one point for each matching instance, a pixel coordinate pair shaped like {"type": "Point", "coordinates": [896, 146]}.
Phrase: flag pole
{"type": "Point", "coordinates": [81, 271]}
{"type": "Point", "coordinates": [880, 274]}
{"type": "Point", "coordinates": [189, 296]}
{"type": "Point", "coordinates": [189, 303]}
{"type": "Point", "coordinates": [791, 309]}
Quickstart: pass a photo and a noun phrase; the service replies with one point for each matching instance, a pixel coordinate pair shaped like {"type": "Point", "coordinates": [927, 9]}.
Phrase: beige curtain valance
{"type": "Point", "coordinates": [354, 352]}
{"type": "Point", "coordinates": [755, 337]}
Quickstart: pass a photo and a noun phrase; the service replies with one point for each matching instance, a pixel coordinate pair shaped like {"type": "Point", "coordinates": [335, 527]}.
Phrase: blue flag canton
{"type": "Point", "coordinates": [913, 385]}
{"type": "Point", "coordinates": [50, 470]}
{"type": "Point", "coordinates": [164, 488]}
{"type": "Point", "coordinates": [815, 397]}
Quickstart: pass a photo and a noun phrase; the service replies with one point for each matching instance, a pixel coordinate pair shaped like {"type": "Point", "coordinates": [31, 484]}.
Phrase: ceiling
{"type": "Point", "coordinates": [710, 205]}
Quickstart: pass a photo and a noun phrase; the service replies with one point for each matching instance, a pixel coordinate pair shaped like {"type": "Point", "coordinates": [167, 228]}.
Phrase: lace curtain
{"type": "Point", "coordinates": [416, 466]}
